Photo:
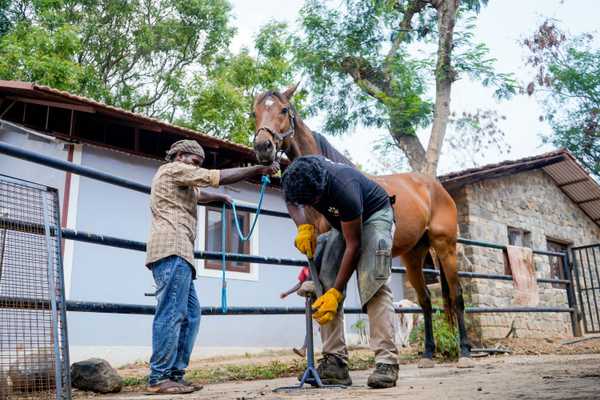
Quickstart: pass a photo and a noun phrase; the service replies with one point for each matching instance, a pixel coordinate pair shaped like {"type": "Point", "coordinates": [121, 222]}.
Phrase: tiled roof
{"type": "Point", "coordinates": [560, 165]}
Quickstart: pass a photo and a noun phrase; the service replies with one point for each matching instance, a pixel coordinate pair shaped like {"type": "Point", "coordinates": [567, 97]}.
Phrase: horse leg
{"type": "Point", "coordinates": [445, 249]}
{"type": "Point", "coordinates": [413, 260]}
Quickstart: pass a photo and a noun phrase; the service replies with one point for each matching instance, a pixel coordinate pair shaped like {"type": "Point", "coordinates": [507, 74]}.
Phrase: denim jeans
{"type": "Point", "coordinates": [176, 320]}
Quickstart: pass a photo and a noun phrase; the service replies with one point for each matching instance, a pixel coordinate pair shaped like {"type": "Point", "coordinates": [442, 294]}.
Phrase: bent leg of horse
{"type": "Point", "coordinates": [414, 270]}
{"type": "Point", "coordinates": [382, 327]}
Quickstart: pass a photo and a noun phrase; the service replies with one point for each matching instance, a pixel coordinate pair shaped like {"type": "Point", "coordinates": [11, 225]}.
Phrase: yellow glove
{"type": "Point", "coordinates": [306, 240]}
{"type": "Point", "coordinates": [325, 307]}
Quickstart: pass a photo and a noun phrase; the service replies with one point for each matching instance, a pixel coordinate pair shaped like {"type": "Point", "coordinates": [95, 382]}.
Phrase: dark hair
{"type": "Point", "coordinates": [304, 180]}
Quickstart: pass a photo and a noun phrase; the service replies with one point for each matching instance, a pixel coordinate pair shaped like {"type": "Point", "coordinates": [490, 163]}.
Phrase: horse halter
{"type": "Point", "coordinates": [280, 137]}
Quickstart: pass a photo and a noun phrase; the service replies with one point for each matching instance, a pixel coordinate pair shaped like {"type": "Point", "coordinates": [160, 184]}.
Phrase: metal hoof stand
{"type": "Point", "coordinates": [310, 376]}
{"type": "Point", "coordinates": [34, 360]}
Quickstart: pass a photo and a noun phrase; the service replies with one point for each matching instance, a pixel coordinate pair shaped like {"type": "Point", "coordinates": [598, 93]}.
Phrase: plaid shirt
{"type": "Point", "coordinates": [173, 203]}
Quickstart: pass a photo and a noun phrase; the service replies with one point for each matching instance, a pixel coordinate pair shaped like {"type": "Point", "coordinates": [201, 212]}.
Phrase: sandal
{"type": "Point", "coordinates": [168, 387]}
{"type": "Point", "coordinates": [195, 386]}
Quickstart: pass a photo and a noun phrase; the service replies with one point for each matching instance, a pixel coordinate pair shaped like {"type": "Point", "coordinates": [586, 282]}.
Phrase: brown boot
{"type": "Point", "coordinates": [384, 376]}
{"type": "Point", "coordinates": [332, 371]}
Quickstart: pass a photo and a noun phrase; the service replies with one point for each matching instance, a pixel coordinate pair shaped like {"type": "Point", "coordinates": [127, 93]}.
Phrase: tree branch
{"type": "Point", "coordinates": [413, 7]}
{"type": "Point", "coordinates": [369, 79]}
{"type": "Point", "coordinates": [413, 149]}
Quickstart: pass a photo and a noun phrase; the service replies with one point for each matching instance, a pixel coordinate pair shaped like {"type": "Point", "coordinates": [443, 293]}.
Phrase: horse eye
{"type": "Point", "coordinates": [284, 110]}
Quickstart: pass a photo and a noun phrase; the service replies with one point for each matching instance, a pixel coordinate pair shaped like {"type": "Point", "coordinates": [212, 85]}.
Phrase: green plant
{"type": "Point", "coordinates": [446, 337]}
{"type": "Point", "coordinates": [360, 327]}
{"type": "Point", "coordinates": [135, 381]}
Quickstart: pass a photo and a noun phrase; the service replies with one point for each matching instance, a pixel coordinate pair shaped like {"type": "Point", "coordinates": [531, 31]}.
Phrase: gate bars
{"type": "Point", "coordinates": [34, 361]}
{"type": "Point", "coordinates": [55, 163]}
{"type": "Point", "coordinates": [586, 260]}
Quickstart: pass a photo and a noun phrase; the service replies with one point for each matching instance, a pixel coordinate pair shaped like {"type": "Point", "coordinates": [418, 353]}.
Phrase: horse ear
{"type": "Point", "coordinates": [289, 92]}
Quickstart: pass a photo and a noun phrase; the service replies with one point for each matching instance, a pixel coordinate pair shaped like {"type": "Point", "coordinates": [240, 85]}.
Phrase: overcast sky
{"type": "Point", "coordinates": [501, 26]}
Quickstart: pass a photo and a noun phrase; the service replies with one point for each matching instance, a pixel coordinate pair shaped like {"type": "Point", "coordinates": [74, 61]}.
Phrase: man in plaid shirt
{"type": "Point", "coordinates": [176, 192]}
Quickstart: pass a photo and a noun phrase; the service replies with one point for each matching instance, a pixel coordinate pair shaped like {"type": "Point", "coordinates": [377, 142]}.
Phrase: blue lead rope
{"type": "Point", "coordinates": [264, 182]}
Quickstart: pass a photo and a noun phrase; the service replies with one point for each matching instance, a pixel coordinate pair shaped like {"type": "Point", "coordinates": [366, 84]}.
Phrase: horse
{"type": "Point", "coordinates": [425, 214]}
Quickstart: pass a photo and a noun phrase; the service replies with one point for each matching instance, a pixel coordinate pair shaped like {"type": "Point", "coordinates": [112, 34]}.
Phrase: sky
{"type": "Point", "coordinates": [501, 25]}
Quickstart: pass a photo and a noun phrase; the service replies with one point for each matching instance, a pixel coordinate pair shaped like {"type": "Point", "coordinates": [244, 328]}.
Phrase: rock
{"type": "Point", "coordinates": [465, 362]}
{"type": "Point", "coordinates": [33, 371]}
{"type": "Point", "coordinates": [426, 363]}
{"type": "Point", "coordinates": [95, 375]}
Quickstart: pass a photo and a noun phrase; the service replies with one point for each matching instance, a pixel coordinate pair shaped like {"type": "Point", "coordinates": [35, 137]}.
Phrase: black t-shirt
{"type": "Point", "coordinates": [349, 194]}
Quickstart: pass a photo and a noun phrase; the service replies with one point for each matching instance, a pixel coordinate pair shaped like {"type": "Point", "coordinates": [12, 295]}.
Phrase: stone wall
{"type": "Point", "coordinates": [530, 201]}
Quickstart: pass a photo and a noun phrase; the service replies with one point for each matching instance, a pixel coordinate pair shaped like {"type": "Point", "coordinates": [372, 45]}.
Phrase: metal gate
{"type": "Point", "coordinates": [586, 263]}
{"type": "Point", "coordinates": [34, 361]}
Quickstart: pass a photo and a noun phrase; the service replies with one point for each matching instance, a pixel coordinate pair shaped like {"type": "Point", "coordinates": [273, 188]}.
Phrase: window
{"type": "Point", "coordinates": [519, 237]}
{"type": "Point", "coordinates": [516, 237]}
{"type": "Point", "coordinates": [234, 244]}
{"type": "Point", "coordinates": [556, 263]}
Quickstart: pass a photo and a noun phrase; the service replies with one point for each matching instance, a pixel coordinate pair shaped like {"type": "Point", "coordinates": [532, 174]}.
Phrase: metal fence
{"type": "Point", "coordinates": [26, 301]}
{"type": "Point", "coordinates": [17, 152]}
{"type": "Point", "coordinates": [586, 264]}
{"type": "Point", "coordinates": [34, 361]}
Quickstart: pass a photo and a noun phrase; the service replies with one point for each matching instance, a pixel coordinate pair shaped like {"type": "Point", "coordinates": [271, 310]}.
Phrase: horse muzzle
{"type": "Point", "coordinates": [265, 151]}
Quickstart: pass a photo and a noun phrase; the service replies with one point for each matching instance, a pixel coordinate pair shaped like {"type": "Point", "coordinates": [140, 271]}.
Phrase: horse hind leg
{"type": "Point", "coordinates": [445, 249]}
{"type": "Point", "coordinates": [413, 260]}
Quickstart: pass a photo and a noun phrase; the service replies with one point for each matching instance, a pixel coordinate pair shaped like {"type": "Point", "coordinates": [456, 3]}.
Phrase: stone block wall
{"type": "Point", "coordinates": [530, 201]}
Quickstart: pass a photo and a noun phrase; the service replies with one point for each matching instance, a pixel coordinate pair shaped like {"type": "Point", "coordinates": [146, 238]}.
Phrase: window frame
{"type": "Point", "coordinates": [525, 242]}
{"type": "Point", "coordinates": [216, 264]}
{"type": "Point", "coordinates": [554, 260]}
{"type": "Point", "coordinates": [212, 268]}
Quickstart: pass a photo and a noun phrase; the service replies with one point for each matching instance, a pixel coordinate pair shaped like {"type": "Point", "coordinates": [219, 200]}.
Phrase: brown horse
{"type": "Point", "coordinates": [425, 213]}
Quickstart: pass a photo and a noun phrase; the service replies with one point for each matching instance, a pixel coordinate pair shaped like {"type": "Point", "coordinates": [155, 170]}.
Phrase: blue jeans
{"type": "Point", "coordinates": [176, 320]}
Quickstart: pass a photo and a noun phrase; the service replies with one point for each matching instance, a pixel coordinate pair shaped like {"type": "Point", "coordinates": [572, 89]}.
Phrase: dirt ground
{"type": "Point", "coordinates": [537, 369]}
{"type": "Point", "coordinates": [549, 377]}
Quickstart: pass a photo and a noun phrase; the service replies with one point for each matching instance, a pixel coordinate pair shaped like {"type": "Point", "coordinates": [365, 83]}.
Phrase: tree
{"type": "Point", "coordinates": [33, 54]}
{"type": "Point", "coordinates": [362, 70]}
{"type": "Point", "coordinates": [567, 83]}
{"type": "Point", "coordinates": [221, 101]}
{"type": "Point", "coordinates": [141, 52]}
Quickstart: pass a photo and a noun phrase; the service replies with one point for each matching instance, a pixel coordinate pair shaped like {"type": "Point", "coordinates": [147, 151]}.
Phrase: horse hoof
{"type": "Point", "coordinates": [426, 363]}
{"type": "Point", "coordinates": [465, 362]}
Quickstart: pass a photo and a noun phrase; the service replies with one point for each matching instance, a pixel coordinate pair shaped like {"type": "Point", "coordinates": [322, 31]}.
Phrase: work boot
{"type": "Point", "coordinates": [384, 376]}
{"type": "Point", "coordinates": [332, 371]}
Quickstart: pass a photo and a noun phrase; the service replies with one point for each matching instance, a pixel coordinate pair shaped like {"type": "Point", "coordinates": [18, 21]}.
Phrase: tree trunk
{"type": "Point", "coordinates": [413, 149]}
{"type": "Point", "coordinates": [444, 76]}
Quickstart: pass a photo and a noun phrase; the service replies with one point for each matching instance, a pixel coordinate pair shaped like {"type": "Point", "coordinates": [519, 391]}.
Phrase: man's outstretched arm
{"type": "Point", "coordinates": [233, 175]}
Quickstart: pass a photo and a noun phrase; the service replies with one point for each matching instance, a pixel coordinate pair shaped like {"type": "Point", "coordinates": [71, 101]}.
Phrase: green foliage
{"type": "Point", "coordinates": [141, 53]}
{"type": "Point", "coordinates": [32, 53]}
{"type": "Point", "coordinates": [221, 103]}
{"type": "Point", "coordinates": [567, 82]}
{"type": "Point", "coordinates": [445, 336]}
{"type": "Point", "coordinates": [356, 80]}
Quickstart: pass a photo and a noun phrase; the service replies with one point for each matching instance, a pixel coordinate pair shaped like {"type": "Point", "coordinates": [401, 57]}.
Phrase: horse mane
{"type": "Point", "coordinates": [330, 152]}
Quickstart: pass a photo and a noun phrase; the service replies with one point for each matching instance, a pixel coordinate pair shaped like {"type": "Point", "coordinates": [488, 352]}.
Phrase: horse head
{"type": "Point", "coordinates": [275, 119]}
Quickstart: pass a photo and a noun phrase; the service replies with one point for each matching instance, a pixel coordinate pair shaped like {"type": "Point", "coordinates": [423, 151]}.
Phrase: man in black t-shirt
{"type": "Point", "coordinates": [362, 219]}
